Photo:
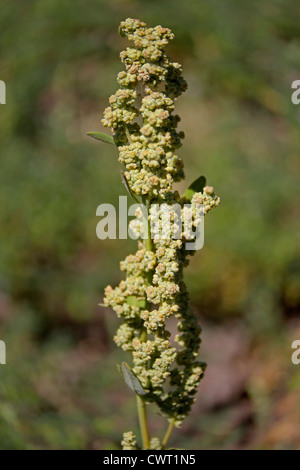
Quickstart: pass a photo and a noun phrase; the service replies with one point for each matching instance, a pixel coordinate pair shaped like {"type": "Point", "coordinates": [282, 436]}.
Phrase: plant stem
{"type": "Point", "coordinates": [141, 407]}
{"type": "Point", "coordinates": [168, 433]}
{"type": "Point", "coordinates": [148, 244]}
{"type": "Point", "coordinates": [148, 241]}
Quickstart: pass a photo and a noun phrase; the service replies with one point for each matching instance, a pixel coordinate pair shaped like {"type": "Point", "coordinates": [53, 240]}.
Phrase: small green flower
{"type": "Point", "coordinates": [129, 441]}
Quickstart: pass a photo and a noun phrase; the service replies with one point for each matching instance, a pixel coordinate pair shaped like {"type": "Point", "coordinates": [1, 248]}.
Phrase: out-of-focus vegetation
{"type": "Point", "coordinates": [59, 59]}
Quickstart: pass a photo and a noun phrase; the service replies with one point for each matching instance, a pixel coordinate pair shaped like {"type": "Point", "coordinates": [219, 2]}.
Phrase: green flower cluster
{"type": "Point", "coordinates": [145, 130]}
{"type": "Point", "coordinates": [129, 441]}
{"type": "Point", "coordinates": [141, 117]}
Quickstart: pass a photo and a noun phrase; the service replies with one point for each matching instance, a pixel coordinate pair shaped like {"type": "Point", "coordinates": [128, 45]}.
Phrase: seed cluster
{"type": "Point", "coordinates": [141, 116]}
{"type": "Point", "coordinates": [128, 441]}
{"type": "Point", "coordinates": [144, 127]}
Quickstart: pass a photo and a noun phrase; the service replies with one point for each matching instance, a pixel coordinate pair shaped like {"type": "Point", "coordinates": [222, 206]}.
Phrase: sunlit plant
{"type": "Point", "coordinates": [164, 370]}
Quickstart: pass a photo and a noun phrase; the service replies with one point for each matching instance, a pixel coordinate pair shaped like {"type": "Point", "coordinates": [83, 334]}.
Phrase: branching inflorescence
{"type": "Point", "coordinates": [165, 370]}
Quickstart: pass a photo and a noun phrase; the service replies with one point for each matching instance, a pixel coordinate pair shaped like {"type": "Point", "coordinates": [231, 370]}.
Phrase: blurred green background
{"type": "Point", "coordinates": [60, 388]}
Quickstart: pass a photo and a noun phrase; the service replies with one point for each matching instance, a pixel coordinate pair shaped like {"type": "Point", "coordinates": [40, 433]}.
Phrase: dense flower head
{"type": "Point", "coordinates": [158, 359]}
{"type": "Point", "coordinates": [140, 114]}
{"type": "Point", "coordinates": [141, 117]}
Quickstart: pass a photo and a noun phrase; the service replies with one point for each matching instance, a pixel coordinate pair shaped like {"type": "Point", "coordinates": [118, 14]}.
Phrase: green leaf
{"type": "Point", "coordinates": [131, 380]}
{"type": "Point", "coordinates": [132, 300]}
{"type": "Point", "coordinates": [125, 182]}
{"type": "Point", "coordinates": [121, 32]}
{"type": "Point", "coordinates": [108, 139]}
{"type": "Point", "coordinates": [196, 187]}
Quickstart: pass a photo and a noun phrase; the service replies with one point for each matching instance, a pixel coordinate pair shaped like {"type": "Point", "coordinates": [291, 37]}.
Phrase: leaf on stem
{"type": "Point", "coordinates": [125, 182]}
{"type": "Point", "coordinates": [108, 139]}
{"type": "Point", "coordinates": [131, 380]}
{"type": "Point", "coordinates": [196, 187]}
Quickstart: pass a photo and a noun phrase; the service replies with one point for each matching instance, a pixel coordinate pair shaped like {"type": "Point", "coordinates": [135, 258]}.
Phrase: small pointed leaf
{"type": "Point", "coordinates": [132, 300]}
{"type": "Point", "coordinates": [125, 182]}
{"type": "Point", "coordinates": [108, 139]}
{"type": "Point", "coordinates": [131, 380]}
{"type": "Point", "coordinates": [196, 187]}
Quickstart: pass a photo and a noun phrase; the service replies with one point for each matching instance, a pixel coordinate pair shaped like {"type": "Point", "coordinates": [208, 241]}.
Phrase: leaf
{"type": "Point", "coordinates": [125, 182]}
{"type": "Point", "coordinates": [121, 32]}
{"type": "Point", "coordinates": [132, 300]}
{"type": "Point", "coordinates": [108, 139]}
{"type": "Point", "coordinates": [196, 187]}
{"type": "Point", "coordinates": [131, 380]}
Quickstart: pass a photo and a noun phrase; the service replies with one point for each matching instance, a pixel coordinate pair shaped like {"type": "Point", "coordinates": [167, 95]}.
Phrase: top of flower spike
{"type": "Point", "coordinates": [142, 36]}
{"type": "Point", "coordinates": [140, 114]}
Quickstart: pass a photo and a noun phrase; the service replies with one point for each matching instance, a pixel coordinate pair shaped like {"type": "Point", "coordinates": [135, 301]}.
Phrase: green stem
{"type": "Point", "coordinates": [143, 336]}
{"type": "Point", "coordinates": [148, 244]}
{"type": "Point", "coordinates": [168, 433]}
{"type": "Point", "coordinates": [148, 241]}
{"type": "Point", "coordinates": [141, 407]}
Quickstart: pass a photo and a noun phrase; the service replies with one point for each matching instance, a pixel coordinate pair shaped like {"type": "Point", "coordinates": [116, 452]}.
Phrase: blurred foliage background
{"type": "Point", "coordinates": [60, 388]}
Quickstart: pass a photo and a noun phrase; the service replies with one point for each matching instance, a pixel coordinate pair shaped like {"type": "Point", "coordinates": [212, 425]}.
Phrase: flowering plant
{"type": "Point", "coordinates": [165, 370]}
